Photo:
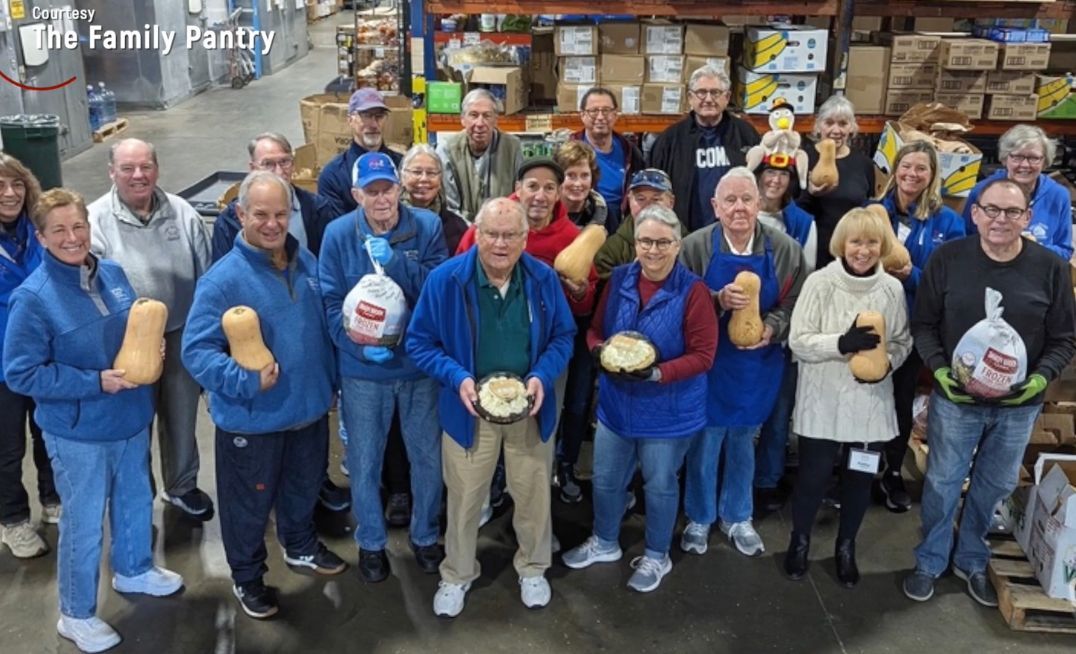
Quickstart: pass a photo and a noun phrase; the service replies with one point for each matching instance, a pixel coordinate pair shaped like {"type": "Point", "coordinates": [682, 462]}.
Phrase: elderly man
{"type": "Point", "coordinates": [160, 241]}
{"type": "Point", "coordinates": [270, 441]}
{"type": "Point", "coordinates": [366, 115]}
{"type": "Point", "coordinates": [406, 243]}
{"type": "Point", "coordinates": [618, 158]}
{"type": "Point", "coordinates": [648, 187]}
{"type": "Point", "coordinates": [966, 430]}
{"type": "Point", "coordinates": [494, 309]}
{"type": "Point", "coordinates": [481, 161]}
{"type": "Point", "coordinates": [744, 381]}
{"type": "Point", "coordinates": [698, 150]}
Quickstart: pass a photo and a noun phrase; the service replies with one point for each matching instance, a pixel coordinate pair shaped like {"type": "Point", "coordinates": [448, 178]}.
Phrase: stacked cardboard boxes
{"type": "Point", "coordinates": [913, 66]}
{"type": "Point", "coordinates": [576, 49]}
{"type": "Point", "coordinates": [1011, 87]}
{"type": "Point", "coordinates": [781, 61]}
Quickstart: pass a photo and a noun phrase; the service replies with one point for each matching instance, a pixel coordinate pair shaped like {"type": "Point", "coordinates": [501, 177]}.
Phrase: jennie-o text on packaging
{"type": "Point", "coordinates": [61, 35]}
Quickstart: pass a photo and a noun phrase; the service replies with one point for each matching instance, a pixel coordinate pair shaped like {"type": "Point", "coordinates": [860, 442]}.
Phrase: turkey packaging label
{"type": "Point", "coordinates": [991, 356]}
{"type": "Point", "coordinates": [375, 310]}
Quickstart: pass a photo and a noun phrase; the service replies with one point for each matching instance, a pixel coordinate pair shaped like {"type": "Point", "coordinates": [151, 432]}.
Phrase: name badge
{"type": "Point", "coordinates": [903, 231]}
{"type": "Point", "coordinates": [172, 233]}
{"type": "Point", "coordinates": [860, 460]}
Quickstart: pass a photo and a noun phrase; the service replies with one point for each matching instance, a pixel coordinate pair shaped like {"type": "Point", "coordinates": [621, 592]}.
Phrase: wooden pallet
{"type": "Point", "coordinates": [109, 130]}
{"type": "Point", "coordinates": [1021, 599]}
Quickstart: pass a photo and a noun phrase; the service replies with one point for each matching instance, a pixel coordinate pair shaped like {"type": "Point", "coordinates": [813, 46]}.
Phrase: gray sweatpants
{"type": "Point", "coordinates": [177, 396]}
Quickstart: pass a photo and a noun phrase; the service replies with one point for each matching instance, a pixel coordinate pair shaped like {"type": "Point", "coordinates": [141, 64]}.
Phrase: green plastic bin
{"type": "Point", "coordinates": [35, 141]}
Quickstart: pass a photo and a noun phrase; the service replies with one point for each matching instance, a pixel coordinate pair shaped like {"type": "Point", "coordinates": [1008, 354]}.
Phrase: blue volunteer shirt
{"type": "Point", "coordinates": [711, 164]}
{"type": "Point", "coordinates": [612, 168]}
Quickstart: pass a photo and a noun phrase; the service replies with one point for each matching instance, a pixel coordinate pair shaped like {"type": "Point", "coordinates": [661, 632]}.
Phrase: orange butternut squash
{"type": "Point", "coordinates": [244, 333]}
{"type": "Point", "coordinates": [871, 365]}
{"type": "Point", "coordinates": [825, 171]}
{"type": "Point", "coordinates": [745, 325]}
{"type": "Point", "coordinates": [140, 354]}
{"type": "Point", "coordinates": [575, 261]}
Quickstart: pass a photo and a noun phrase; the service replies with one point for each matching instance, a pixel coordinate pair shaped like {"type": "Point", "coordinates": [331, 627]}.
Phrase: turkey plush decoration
{"type": "Point", "coordinates": [780, 147]}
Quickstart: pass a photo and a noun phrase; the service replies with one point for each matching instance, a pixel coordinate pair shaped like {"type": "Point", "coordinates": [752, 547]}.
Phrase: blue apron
{"type": "Point", "coordinates": [743, 383]}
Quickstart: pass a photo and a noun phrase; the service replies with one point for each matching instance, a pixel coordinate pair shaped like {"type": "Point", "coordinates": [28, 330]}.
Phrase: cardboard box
{"type": "Point", "coordinates": [1056, 100]}
{"type": "Point", "coordinates": [866, 78]}
{"type": "Point", "coordinates": [398, 128]}
{"type": "Point", "coordinates": [619, 38]}
{"type": "Point", "coordinates": [897, 101]}
{"type": "Point", "coordinates": [916, 75]}
{"type": "Point", "coordinates": [578, 70]}
{"type": "Point", "coordinates": [570, 96]}
{"type": "Point", "coordinates": [1062, 56]}
{"type": "Point", "coordinates": [325, 123]}
{"type": "Point", "coordinates": [623, 69]}
{"type": "Point", "coordinates": [756, 92]}
{"type": "Point", "coordinates": [1010, 82]}
{"type": "Point", "coordinates": [628, 97]}
{"type": "Point", "coordinates": [1013, 107]}
{"type": "Point", "coordinates": [706, 39]}
{"type": "Point", "coordinates": [663, 99]}
{"type": "Point", "coordinates": [575, 40]}
{"type": "Point", "coordinates": [961, 81]}
{"type": "Point", "coordinates": [662, 37]}
{"type": "Point", "coordinates": [693, 63]}
{"type": "Point", "coordinates": [444, 97]}
{"type": "Point", "coordinates": [1025, 56]}
{"type": "Point", "coordinates": [968, 54]}
{"type": "Point", "coordinates": [1016, 511]}
{"type": "Point", "coordinates": [970, 104]}
{"type": "Point", "coordinates": [933, 24]}
{"type": "Point", "coordinates": [1052, 540]}
{"type": "Point", "coordinates": [959, 172]}
{"type": "Point", "coordinates": [1058, 424]}
{"type": "Point", "coordinates": [867, 23]}
{"type": "Point", "coordinates": [785, 49]}
{"type": "Point", "coordinates": [505, 82]}
{"type": "Point", "coordinates": [306, 168]}
{"type": "Point", "coordinates": [665, 69]}
{"type": "Point", "coordinates": [910, 48]}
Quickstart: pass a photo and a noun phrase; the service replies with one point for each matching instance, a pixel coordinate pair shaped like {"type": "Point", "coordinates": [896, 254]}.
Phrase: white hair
{"type": "Point", "coordinates": [498, 206]}
{"type": "Point", "coordinates": [419, 149]}
{"type": "Point", "coordinates": [474, 95]}
{"type": "Point", "coordinates": [709, 70]}
{"type": "Point", "coordinates": [1020, 136]}
{"type": "Point", "coordinates": [260, 177]}
{"type": "Point", "coordinates": [837, 106]}
{"type": "Point", "coordinates": [661, 215]}
{"type": "Point", "coordinates": [739, 172]}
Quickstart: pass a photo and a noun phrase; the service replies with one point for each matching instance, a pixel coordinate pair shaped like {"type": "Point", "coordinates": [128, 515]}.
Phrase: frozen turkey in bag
{"type": "Point", "coordinates": [990, 356]}
{"type": "Point", "coordinates": [375, 311]}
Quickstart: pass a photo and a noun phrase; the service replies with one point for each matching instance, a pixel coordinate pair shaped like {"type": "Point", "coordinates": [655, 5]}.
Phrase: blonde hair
{"type": "Point", "coordinates": [930, 199]}
{"type": "Point", "coordinates": [573, 153]}
{"type": "Point", "coordinates": [55, 199]}
{"type": "Point", "coordinates": [860, 222]}
{"type": "Point", "coordinates": [12, 167]}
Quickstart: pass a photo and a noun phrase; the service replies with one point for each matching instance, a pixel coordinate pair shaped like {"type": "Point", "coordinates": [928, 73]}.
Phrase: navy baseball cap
{"type": "Point", "coordinates": [652, 178]}
{"type": "Point", "coordinates": [366, 99]}
{"type": "Point", "coordinates": [372, 167]}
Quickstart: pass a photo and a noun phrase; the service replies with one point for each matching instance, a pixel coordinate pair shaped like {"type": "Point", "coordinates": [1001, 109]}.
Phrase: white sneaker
{"type": "Point", "coordinates": [744, 537]}
{"type": "Point", "coordinates": [648, 573]}
{"type": "Point", "coordinates": [448, 601]}
{"type": "Point", "coordinates": [486, 516]}
{"type": "Point", "coordinates": [50, 513]}
{"type": "Point", "coordinates": [695, 538]}
{"type": "Point", "coordinates": [534, 591]}
{"type": "Point", "coordinates": [591, 551]}
{"type": "Point", "coordinates": [23, 539]}
{"type": "Point", "coordinates": [89, 634]}
{"type": "Point", "coordinates": [157, 582]}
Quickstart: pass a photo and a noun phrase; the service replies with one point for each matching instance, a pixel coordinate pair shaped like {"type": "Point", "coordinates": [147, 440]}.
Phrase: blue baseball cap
{"type": "Point", "coordinates": [652, 178]}
{"type": "Point", "coordinates": [371, 167]}
{"type": "Point", "coordinates": [366, 99]}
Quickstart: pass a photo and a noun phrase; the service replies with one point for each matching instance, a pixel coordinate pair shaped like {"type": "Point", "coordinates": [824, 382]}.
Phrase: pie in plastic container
{"type": "Point", "coordinates": [628, 352]}
{"type": "Point", "coordinates": [502, 398]}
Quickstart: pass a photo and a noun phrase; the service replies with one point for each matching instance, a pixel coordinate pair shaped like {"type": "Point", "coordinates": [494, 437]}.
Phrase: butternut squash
{"type": "Point", "coordinates": [825, 171]}
{"type": "Point", "coordinates": [244, 333]}
{"type": "Point", "coordinates": [898, 256]}
{"type": "Point", "coordinates": [140, 354]}
{"type": "Point", "coordinates": [871, 365]}
{"type": "Point", "coordinates": [745, 325]}
{"type": "Point", "coordinates": [575, 261]}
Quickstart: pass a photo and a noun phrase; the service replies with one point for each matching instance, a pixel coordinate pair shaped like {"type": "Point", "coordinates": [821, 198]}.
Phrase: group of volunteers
{"type": "Point", "coordinates": [469, 233]}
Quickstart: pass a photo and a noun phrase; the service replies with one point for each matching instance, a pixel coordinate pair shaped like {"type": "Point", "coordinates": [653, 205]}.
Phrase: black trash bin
{"type": "Point", "coordinates": [35, 141]}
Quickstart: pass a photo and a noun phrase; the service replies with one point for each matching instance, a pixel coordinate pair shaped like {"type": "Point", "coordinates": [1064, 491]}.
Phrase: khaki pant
{"type": "Point", "coordinates": [468, 473]}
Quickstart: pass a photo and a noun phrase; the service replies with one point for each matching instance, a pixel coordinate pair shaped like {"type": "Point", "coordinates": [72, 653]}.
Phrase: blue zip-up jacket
{"type": "Point", "coordinates": [66, 325]}
{"type": "Point", "coordinates": [941, 226]}
{"type": "Point", "coordinates": [334, 182]}
{"type": "Point", "coordinates": [1051, 214]}
{"type": "Point", "coordinates": [19, 256]}
{"type": "Point", "coordinates": [419, 246]}
{"type": "Point", "coordinates": [288, 304]}
{"type": "Point", "coordinates": [441, 338]}
{"type": "Point", "coordinates": [316, 212]}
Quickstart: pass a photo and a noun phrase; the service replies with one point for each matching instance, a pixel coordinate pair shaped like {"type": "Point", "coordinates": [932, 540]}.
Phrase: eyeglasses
{"type": "Point", "coordinates": [662, 244]}
{"type": "Point", "coordinates": [420, 173]}
{"type": "Point", "coordinates": [1033, 159]}
{"type": "Point", "coordinates": [271, 164]}
{"type": "Point", "coordinates": [507, 237]}
{"type": "Point", "coordinates": [604, 112]}
{"type": "Point", "coordinates": [994, 212]}
{"type": "Point", "coordinates": [145, 169]}
{"type": "Point", "coordinates": [371, 115]}
{"type": "Point", "coordinates": [702, 94]}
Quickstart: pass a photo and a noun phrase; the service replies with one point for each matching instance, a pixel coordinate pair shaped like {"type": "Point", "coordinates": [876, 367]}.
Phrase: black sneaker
{"type": "Point", "coordinates": [333, 497]}
{"type": "Point", "coordinates": [257, 599]}
{"type": "Point", "coordinates": [194, 502]}
{"type": "Point", "coordinates": [918, 586]}
{"type": "Point", "coordinates": [322, 561]}
{"type": "Point", "coordinates": [429, 557]}
{"type": "Point", "coordinates": [769, 500]}
{"type": "Point", "coordinates": [373, 566]}
{"type": "Point", "coordinates": [497, 492]}
{"type": "Point", "coordinates": [979, 586]}
{"type": "Point", "coordinates": [570, 492]}
{"type": "Point", "coordinates": [897, 499]}
{"type": "Point", "coordinates": [398, 510]}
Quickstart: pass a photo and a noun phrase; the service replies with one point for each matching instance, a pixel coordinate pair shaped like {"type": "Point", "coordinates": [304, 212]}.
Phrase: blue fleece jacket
{"type": "Point", "coordinates": [1051, 214]}
{"type": "Point", "coordinates": [20, 255]}
{"type": "Point", "coordinates": [66, 325]}
{"type": "Point", "coordinates": [288, 304]}
{"type": "Point", "coordinates": [418, 244]}
{"type": "Point", "coordinates": [334, 182]}
{"type": "Point", "coordinates": [925, 235]}
{"type": "Point", "coordinates": [317, 212]}
{"type": "Point", "coordinates": [441, 338]}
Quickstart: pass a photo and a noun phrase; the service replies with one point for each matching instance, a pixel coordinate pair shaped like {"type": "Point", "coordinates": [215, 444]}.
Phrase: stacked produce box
{"type": "Point", "coordinates": [780, 61]}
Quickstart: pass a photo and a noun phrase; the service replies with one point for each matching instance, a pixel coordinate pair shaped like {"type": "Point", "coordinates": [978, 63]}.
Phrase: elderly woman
{"type": "Point", "coordinates": [20, 254]}
{"type": "Point", "coordinates": [921, 222]}
{"type": "Point", "coordinates": [836, 120]}
{"type": "Point", "coordinates": [421, 175]}
{"type": "Point", "coordinates": [584, 204]}
{"type": "Point", "coordinates": [649, 416]}
{"type": "Point", "coordinates": [832, 406]}
{"type": "Point", "coordinates": [1025, 150]}
{"type": "Point", "coordinates": [65, 327]}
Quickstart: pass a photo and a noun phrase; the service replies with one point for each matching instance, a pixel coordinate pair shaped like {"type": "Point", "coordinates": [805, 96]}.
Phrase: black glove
{"type": "Point", "coordinates": [857, 339]}
{"type": "Point", "coordinates": [596, 354]}
{"type": "Point", "coordinates": [646, 374]}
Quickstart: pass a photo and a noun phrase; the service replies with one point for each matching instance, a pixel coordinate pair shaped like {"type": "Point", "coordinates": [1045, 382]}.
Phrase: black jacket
{"type": "Point", "coordinates": [674, 152]}
{"type": "Point", "coordinates": [316, 210]}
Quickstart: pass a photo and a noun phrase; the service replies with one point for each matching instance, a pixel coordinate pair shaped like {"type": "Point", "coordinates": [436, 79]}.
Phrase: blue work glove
{"type": "Point", "coordinates": [1025, 390]}
{"type": "Point", "coordinates": [380, 250]}
{"type": "Point", "coordinates": [950, 387]}
{"type": "Point", "coordinates": [376, 353]}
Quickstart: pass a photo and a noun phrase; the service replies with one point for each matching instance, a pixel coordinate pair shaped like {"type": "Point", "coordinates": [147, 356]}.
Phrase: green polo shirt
{"type": "Point", "coordinates": [504, 342]}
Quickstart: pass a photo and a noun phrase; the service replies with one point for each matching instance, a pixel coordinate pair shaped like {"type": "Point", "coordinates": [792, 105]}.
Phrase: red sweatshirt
{"type": "Point", "coordinates": [545, 245]}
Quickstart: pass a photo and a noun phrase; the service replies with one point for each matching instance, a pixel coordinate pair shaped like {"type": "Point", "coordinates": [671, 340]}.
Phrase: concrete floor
{"type": "Point", "coordinates": [720, 602]}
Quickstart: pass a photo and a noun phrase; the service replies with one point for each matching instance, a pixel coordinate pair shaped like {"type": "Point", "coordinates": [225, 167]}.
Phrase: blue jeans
{"type": "Point", "coordinates": [367, 409]}
{"type": "Point", "coordinates": [90, 477]}
{"type": "Point", "coordinates": [773, 437]}
{"type": "Point", "coordinates": [954, 431]}
{"type": "Point", "coordinates": [734, 449]}
{"type": "Point", "coordinates": [577, 394]}
{"type": "Point", "coordinates": [614, 465]}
